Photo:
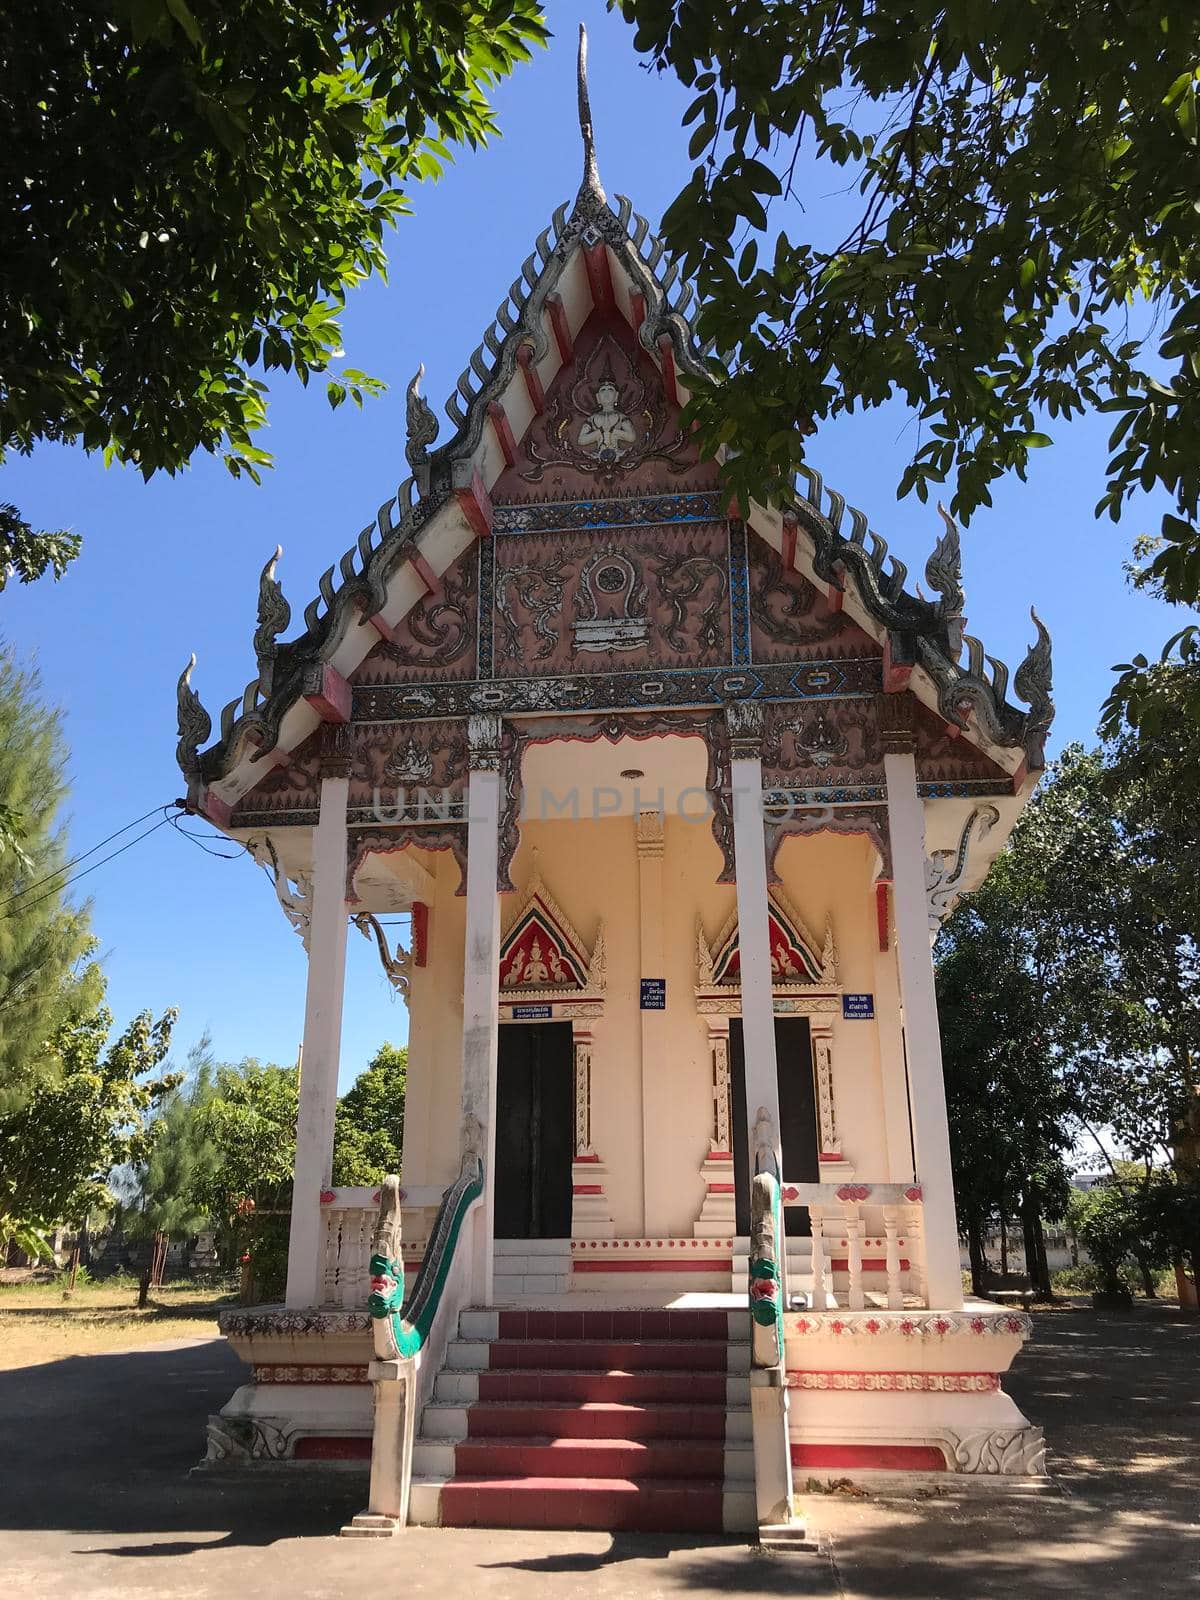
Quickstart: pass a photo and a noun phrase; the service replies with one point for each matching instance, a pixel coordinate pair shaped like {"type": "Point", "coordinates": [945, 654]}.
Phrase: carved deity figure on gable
{"type": "Point", "coordinates": [607, 433]}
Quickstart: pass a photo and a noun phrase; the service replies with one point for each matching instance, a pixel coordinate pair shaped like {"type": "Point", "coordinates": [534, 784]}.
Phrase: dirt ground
{"type": "Point", "coordinates": [39, 1323]}
{"type": "Point", "coordinates": [96, 1499]}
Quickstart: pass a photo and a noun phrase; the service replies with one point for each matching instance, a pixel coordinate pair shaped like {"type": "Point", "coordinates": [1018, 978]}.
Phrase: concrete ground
{"type": "Point", "coordinates": [96, 1500]}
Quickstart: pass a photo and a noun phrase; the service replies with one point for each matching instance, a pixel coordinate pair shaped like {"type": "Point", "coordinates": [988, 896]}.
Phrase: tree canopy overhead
{"type": "Point", "coordinates": [188, 188]}
{"type": "Point", "coordinates": [1027, 246]}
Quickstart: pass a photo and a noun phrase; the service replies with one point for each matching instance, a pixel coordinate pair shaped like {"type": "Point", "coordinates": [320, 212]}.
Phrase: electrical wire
{"type": "Point", "coordinates": [50, 893]}
{"type": "Point", "coordinates": [202, 840]}
{"type": "Point", "coordinates": [66, 867]}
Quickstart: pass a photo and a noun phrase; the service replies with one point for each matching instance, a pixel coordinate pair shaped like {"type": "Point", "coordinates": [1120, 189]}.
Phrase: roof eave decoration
{"type": "Point", "coordinates": [930, 633]}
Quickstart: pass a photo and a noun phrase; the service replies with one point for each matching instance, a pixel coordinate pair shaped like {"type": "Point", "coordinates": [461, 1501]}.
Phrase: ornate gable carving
{"type": "Point", "coordinates": [797, 961]}
{"type": "Point", "coordinates": [541, 955]}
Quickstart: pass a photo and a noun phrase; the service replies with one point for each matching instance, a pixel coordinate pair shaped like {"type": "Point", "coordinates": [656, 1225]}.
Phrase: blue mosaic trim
{"type": "Point", "coordinates": [639, 511]}
{"type": "Point", "coordinates": [739, 595]}
{"type": "Point", "coordinates": [682, 687]}
{"type": "Point", "coordinates": [485, 632]}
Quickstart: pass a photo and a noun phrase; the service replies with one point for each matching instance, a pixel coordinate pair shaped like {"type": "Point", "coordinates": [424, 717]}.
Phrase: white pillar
{"type": "Point", "coordinates": [658, 1089]}
{"type": "Point", "coordinates": [906, 827]}
{"type": "Point", "coordinates": [754, 944]}
{"type": "Point", "coordinates": [481, 982]}
{"type": "Point", "coordinates": [322, 1043]}
{"type": "Point", "coordinates": [893, 1072]}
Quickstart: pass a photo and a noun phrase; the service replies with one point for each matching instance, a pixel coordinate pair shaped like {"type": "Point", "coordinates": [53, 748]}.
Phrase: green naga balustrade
{"type": "Point", "coordinates": [401, 1326]}
{"type": "Point", "coordinates": [768, 1379]}
{"type": "Point", "coordinates": [402, 1329]}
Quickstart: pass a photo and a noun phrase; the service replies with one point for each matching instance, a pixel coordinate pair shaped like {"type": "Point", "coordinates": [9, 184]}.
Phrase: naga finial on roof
{"type": "Point", "coordinates": [591, 194]}
{"type": "Point", "coordinates": [421, 422]}
{"type": "Point", "coordinates": [943, 573]}
{"type": "Point", "coordinates": [1032, 680]}
{"type": "Point", "coordinates": [195, 724]}
{"type": "Point", "coordinates": [274, 616]}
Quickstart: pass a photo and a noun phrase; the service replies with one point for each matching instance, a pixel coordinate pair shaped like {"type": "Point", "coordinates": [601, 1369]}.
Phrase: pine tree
{"type": "Point", "coordinates": [182, 1160]}
{"type": "Point", "coordinates": [46, 977]}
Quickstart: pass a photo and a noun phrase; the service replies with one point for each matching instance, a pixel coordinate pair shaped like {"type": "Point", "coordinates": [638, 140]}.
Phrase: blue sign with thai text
{"type": "Point", "coordinates": [858, 1007]}
{"type": "Point", "coordinates": [654, 994]}
{"type": "Point", "coordinates": [531, 1013]}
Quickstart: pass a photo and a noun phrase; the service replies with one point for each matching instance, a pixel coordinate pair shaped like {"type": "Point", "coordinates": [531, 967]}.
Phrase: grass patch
{"type": "Point", "coordinates": [39, 1322]}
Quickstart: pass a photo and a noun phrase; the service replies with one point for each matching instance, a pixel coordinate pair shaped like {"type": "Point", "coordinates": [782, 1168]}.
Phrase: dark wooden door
{"type": "Point", "coordinates": [534, 1113]}
{"type": "Point", "coordinates": [797, 1116]}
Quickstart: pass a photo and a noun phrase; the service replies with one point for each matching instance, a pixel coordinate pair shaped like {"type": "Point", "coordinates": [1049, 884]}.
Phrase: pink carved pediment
{"type": "Point", "coordinates": [541, 952]}
{"type": "Point", "coordinates": [796, 958]}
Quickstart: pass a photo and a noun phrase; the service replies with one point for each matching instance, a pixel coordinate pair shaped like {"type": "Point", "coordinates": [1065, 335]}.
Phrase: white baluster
{"type": "Point", "coordinates": [816, 1217]}
{"type": "Point", "coordinates": [891, 1227]}
{"type": "Point", "coordinates": [366, 1228]}
{"type": "Point", "coordinates": [916, 1252]}
{"type": "Point", "coordinates": [329, 1256]}
{"type": "Point", "coordinates": [854, 1244]}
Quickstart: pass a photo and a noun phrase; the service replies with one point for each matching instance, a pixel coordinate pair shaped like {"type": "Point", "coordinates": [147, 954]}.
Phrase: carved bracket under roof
{"type": "Point", "coordinates": [799, 963]}
{"type": "Point", "coordinates": [542, 958]}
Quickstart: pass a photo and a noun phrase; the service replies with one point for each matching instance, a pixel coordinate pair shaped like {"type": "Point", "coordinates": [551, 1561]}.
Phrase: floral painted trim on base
{"type": "Point", "coordinates": [923, 1325]}
{"type": "Point", "coordinates": [273, 1322]}
{"type": "Point", "coordinates": [897, 1382]}
{"type": "Point", "coordinates": [275, 1373]}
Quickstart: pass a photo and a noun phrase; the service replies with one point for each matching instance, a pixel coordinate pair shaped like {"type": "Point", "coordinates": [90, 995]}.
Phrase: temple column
{"type": "Point", "coordinates": [754, 943]}
{"type": "Point", "coordinates": [890, 1033]}
{"type": "Point", "coordinates": [656, 1091]}
{"type": "Point", "coordinates": [328, 923]}
{"type": "Point", "coordinates": [931, 1135]}
{"type": "Point", "coordinates": [481, 984]}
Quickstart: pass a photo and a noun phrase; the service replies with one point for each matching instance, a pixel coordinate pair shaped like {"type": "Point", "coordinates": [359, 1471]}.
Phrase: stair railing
{"type": "Point", "coordinates": [836, 1218]}
{"type": "Point", "coordinates": [768, 1379]}
{"type": "Point", "coordinates": [410, 1336]}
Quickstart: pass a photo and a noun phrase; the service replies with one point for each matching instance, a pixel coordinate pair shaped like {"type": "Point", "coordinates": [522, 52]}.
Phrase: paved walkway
{"type": "Point", "coordinates": [95, 1500]}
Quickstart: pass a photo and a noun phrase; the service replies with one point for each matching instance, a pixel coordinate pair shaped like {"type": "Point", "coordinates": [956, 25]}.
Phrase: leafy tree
{"type": "Point", "coordinates": [189, 188]}
{"type": "Point", "coordinates": [182, 1157]}
{"type": "Point", "coordinates": [91, 1115]}
{"type": "Point", "coordinates": [26, 554]}
{"type": "Point", "coordinates": [369, 1126]}
{"type": "Point", "coordinates": [1026, 249]}
{"type": "Point", "coordinates": [1107, 1221]}
{"type": "Point", "coordinates": [46, 976]}
{"type": "Point", "coordinates": [250, 1120]}
{"type": "Point", "coordinates": [1026, 973]}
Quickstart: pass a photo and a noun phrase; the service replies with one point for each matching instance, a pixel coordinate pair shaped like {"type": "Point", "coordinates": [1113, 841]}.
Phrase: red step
{"type": "Point", "coordinates": [608, 1504]}
{"type": "Point", "coordinates": [658, 1324]}
{"type": "Point", "coordinates": [590, 1458]}
{"type": "Point", "coordinates": [696, 1388]}
{"type": "Point", "coordinates": [594, 1419]}
{"type": "Point", "coordinates": [613, 1420]}
{"type": "Point", "coordinates": [701, 1355]}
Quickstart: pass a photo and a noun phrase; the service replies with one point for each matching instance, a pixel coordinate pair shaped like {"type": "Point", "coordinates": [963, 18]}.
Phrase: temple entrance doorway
{"type": "Point", "coordinates": [797, 1117]}
{"type": "Point", "coordinates": [534, 1124]}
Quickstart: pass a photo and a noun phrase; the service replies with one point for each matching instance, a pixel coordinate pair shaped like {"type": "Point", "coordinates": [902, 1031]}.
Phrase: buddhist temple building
{"type": "Point", "coordinates": [676, 792]}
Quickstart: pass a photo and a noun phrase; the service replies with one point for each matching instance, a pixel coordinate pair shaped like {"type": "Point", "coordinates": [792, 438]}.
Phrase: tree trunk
{"type": "Point", "coordinates": [1003, 1245]}
{"type": "Point", "coordinates": [1148, 1285]}
{"type": "Point", "coordinates": [143, 1299]}
{"type": "Point", "coordinates": [978, 1259]}
{"type": "Point", "coordinates": [1036, 1267]}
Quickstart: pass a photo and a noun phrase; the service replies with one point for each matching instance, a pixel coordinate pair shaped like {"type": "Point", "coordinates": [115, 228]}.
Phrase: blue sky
{"type": "Point", "coordinates": [172, 566]}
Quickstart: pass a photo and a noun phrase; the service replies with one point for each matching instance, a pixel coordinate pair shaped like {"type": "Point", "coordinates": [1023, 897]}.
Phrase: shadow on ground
{"type": "Point", "coordinates": [96, 1498]}
{"type": "Point", "coordinates": [107, 1443]}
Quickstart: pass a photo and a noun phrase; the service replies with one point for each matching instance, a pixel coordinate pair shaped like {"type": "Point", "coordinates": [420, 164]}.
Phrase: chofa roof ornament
{"type": "Point", "coordinates": [195, 724]}
{"type": "Point", "coordinates": [422, 424]}
{"type": "Point", "coordinates": [1033, 680]}
{"type": "Point", "coordinates": [943, 574]}
{"type": "Point", "coordinates": [274, 616]}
